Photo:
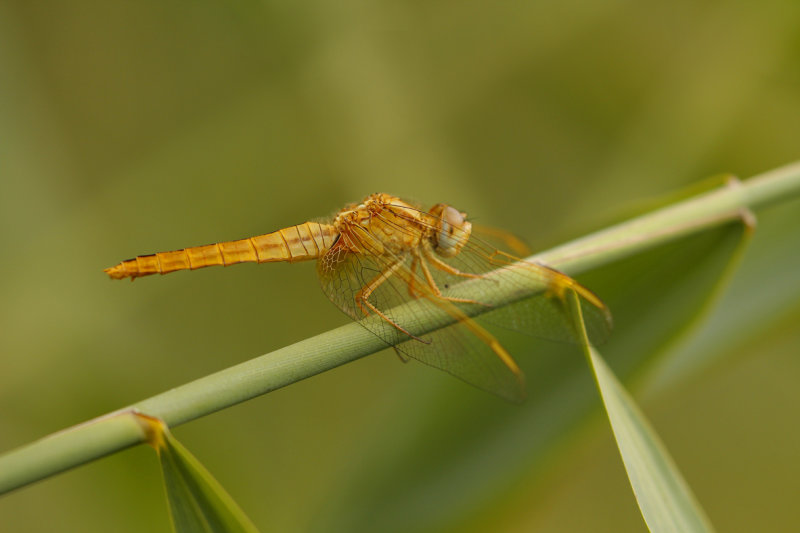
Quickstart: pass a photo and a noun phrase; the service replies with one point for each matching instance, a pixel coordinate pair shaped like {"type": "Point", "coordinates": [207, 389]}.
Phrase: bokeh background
{"type": "Point", "coordinates": [134, 127]}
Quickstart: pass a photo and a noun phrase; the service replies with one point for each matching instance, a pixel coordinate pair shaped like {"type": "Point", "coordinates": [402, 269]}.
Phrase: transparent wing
{"type": "Point", "coordinates": [505, 240]}
{"type": "Point", "coordinates": [540, 308]}
{"type": "Point", "coordinates": [471, 284]}
{"type": "Point", "coordinates": [462, 349]}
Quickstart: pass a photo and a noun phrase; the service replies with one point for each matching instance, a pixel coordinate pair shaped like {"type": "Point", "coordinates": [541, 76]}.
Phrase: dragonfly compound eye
{"type": "Point", "coordinates": [454, 232]}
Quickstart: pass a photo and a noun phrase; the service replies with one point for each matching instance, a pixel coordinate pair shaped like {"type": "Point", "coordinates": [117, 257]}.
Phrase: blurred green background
{"type": "Point", "coordinates": [135, 127]}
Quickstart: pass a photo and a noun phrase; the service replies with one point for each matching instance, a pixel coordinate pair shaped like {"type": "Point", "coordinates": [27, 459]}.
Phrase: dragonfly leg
{"type": "Point", "coordinates": [560, 283]}
{"type": "Point", "coordinates": [486, 337]}
{"type": "Point", "coordinates": [403, 358]}
{"type": "Point", "coordinates": [435, 288]}
{"type": "Point", "coordinates": [441, 265]}
{"type": "Point", "coordinates": [499, 255]}
{"type": "Point", "coordinates": [362, 298]}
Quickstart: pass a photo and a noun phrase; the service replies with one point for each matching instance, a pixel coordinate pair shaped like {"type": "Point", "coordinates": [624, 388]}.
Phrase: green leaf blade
{"type": "Point", "coordinates": [197, 501]}
{"type": "Point", "coordinates": [666, 501]}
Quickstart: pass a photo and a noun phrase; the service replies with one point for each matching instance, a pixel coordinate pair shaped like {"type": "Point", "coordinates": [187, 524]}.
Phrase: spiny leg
{"type": "Point", "coordinates": [559, 283]}
{"type": "Point", "coordinates": [403, 358]}
{"type": "Point", "coordinates": [441, 265]}
{"type": "Point", "coordinates": [487, 338]}
{"type": "Point", "coordinates": [443, 303]}
{"type": "Point", "coordinates": [432, 283]}
{"type": "Point", "coordinates": [364, 293]}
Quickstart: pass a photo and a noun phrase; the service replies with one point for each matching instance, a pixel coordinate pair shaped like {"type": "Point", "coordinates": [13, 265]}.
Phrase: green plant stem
{"type": "Point", "coordinates": [115, 431]}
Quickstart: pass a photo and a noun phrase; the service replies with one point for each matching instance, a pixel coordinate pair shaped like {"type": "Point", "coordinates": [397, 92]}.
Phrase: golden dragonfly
{"type": "Point", "coordinates": [384, 252]}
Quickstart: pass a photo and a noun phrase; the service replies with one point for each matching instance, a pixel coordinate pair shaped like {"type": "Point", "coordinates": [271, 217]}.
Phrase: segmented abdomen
{"type": "Point", "coordinates": [296, 243]}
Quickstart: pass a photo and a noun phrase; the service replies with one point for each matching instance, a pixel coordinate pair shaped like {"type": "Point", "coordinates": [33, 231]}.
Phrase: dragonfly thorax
{"type": "Point", "coordinates": [381, 224]}
{"type": "Point", "coordinates": [384, 224]}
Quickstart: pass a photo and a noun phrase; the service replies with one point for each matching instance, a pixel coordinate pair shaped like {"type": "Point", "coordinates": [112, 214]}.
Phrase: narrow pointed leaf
{"type": "Point", "coordinates": [197, 501]}
{"type": "Point", "coordinates": [665, 499]}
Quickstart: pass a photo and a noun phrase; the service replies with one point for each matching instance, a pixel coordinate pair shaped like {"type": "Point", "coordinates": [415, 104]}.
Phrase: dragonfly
{"type": "Point", "coordinates": [398, 269]}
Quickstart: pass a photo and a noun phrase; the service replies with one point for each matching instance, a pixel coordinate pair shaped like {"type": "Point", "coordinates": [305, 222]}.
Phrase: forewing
{"type": "Point", "coordinates": [541, 309]}
{"type": "Point", "coordinates": [407, 301]}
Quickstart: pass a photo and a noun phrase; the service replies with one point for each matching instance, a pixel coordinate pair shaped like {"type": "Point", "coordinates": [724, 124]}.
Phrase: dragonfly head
{"type": "Point", "coordinates": [453, 230]}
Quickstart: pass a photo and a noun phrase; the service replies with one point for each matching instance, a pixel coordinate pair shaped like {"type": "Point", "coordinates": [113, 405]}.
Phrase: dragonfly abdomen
{"type": "Point", "coordinates": [296, 243]}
